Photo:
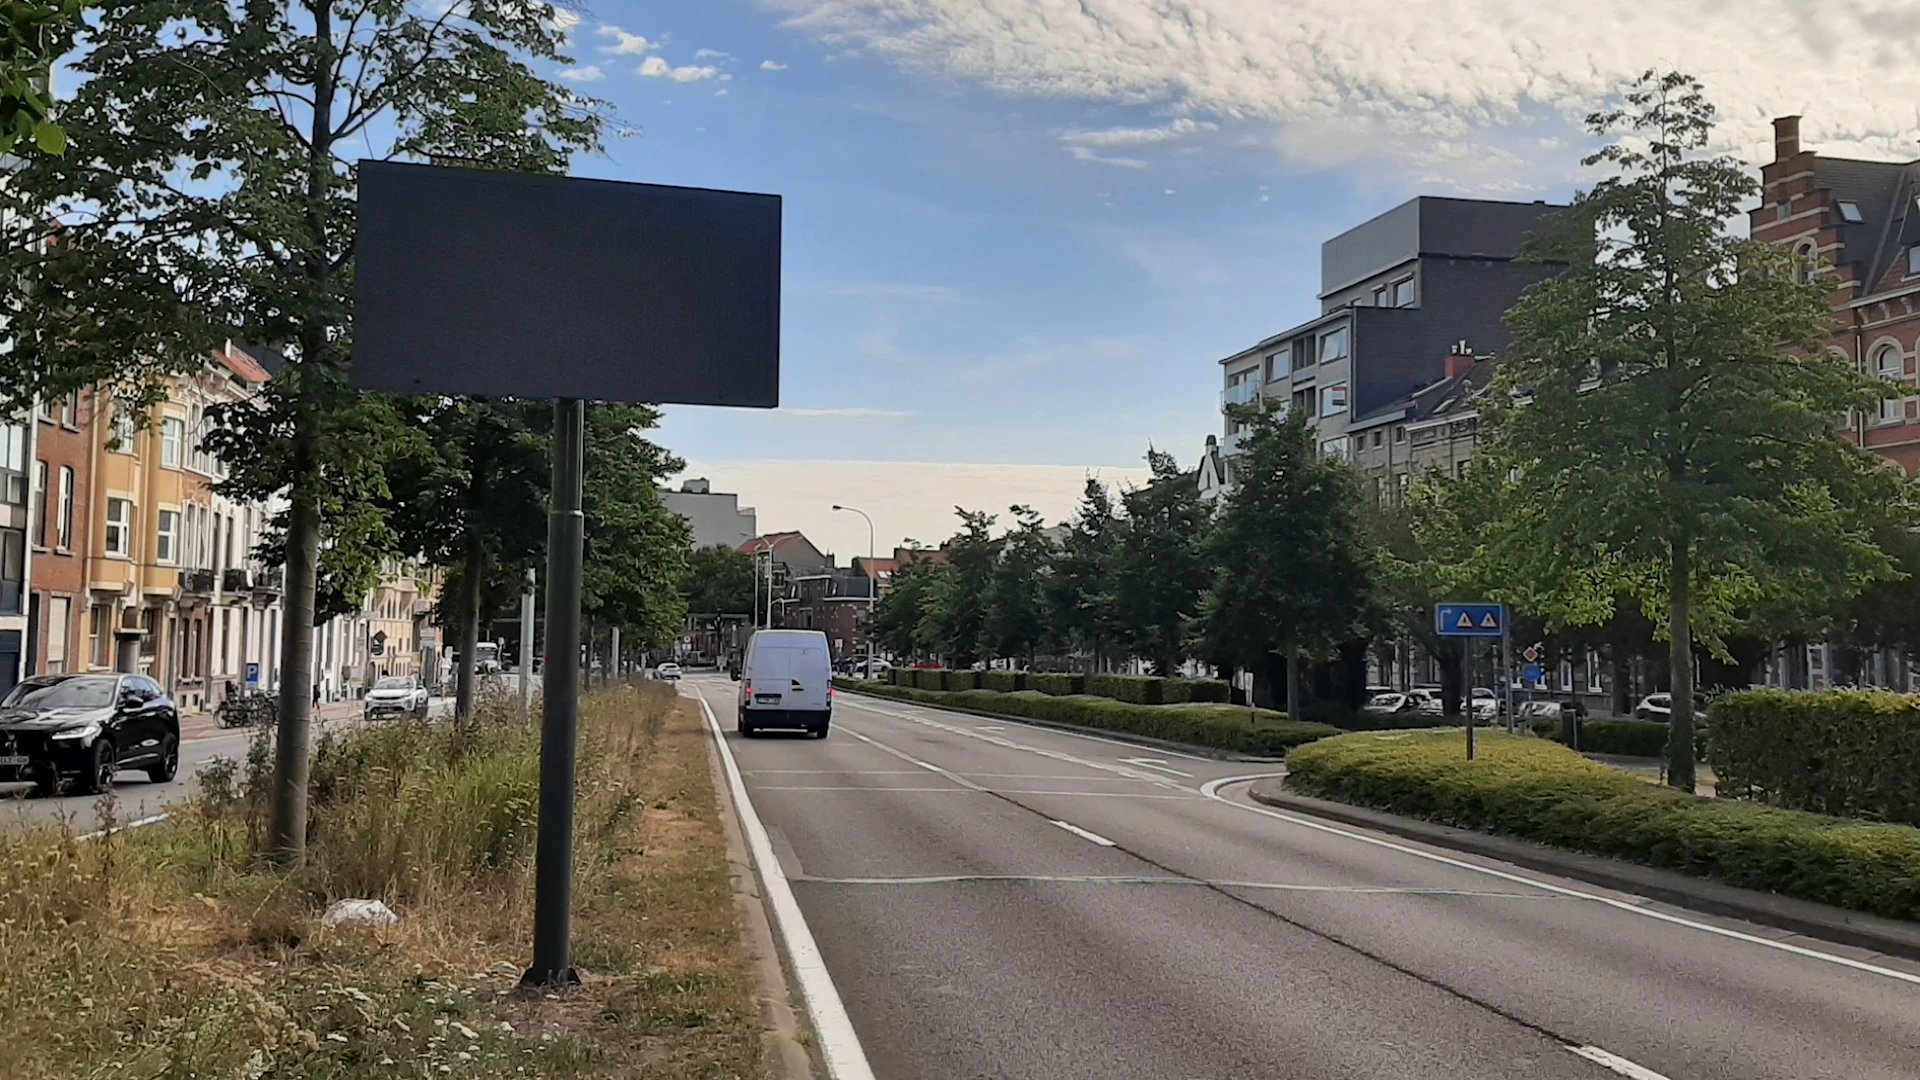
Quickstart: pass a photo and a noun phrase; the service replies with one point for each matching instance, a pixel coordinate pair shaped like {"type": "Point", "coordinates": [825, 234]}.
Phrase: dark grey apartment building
{"type": "Point", "coordinates": [1398, 295]}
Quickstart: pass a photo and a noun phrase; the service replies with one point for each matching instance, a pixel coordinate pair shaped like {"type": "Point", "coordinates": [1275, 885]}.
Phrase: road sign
{"type": "Point", "coordinates": [1532, 673]}
{"type": "Point", "coordinates": [1469, 620]}
{"type": "Point", "coordinates": [1532, 654]}
{"type": "Point", "coordinates": [253, 674]}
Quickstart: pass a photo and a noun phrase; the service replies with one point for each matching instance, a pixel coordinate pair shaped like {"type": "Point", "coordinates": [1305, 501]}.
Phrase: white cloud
{"type": "Point", "coordinates": [716, 54]}
{"type": "Point", "coordinates": [722, 92]}
{"type": "Point", "coordinates": [590, 73]}
{"type": "Point", "coordinates": [1169, 191]}
{"type": "Point", "coordinates": [1091, 156]}
{"type": "Point", "coordinates": [1133, 136]}
{"type": "Point", "coordinates": [1412, 75]}
{"type": "Point", "coordinates": [564, 21]}
{"type": "Point", "coordinates": [905, 498]}
{"type": "Point", "coordinates": [852, 413]}
{"type": "Point", "coordinates": [653, 67]}
{"type": "Point", "coordinates": [770, 65]}
{"type": "Point", "coordinates": [625, 44]}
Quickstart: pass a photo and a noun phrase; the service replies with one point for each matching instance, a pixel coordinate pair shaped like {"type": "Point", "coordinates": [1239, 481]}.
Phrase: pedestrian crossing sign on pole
{"type": "Point", "coordinates": [1469, 620]}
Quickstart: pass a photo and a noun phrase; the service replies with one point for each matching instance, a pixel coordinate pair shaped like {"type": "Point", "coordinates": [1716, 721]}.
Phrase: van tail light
{"type": "Point", "coordinates": [746, 686]}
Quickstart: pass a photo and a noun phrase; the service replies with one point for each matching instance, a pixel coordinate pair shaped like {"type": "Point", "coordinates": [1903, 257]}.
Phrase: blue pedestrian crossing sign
{"type": "Point", "coordinates": [1469, 620]}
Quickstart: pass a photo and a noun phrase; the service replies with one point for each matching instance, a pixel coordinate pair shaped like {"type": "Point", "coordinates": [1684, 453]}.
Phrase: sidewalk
{"type": "Point", "coordinates": [1654, 770]}
{"type": "Point", "coordinates": [201, 725]}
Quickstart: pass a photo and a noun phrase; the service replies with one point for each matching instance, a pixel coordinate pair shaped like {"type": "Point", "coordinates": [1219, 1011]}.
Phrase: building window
{"type": "Point", "coordinates": [1850, 212]}
{"type": "Point", "coordinates": [1403, 292]}
{"type": "Point", "coordinates": [13, 463]}
{"type": "Point", "coordinates": [59, 614]}
{"type": "Point", "coordinates": [1334, 449]}
{"type": "Point", "coordinates": [1333, 345]}
{"type": "Point", "coordinates": [122, 428]}
{"type": "Point", "coordinates": [166, 547]}
{"type": "Point", "coordinates": [1378, 437]}
{"type": "Point", "coordinates": [63, 519]}
{"type": "Point", "coordinates": [172, 433]}
{"type": "Point", "coordinates": [1382, 296]}
{"type": "Point", "coordinates": [1404, 480]}
{"type": "Point", "coordinates": [1333, 400]}
{"type": "Point", "coordinates": [1399, 434]}
{"type": "Point", "coordinates": [1460, 468]}
{"type": "Point", "coordinates": [98, 640]}
{"type": "Point", "coordinates": [1278, 366]}
{"type": "Point", "coordinates": [1913, 260]}
{"type": "Point", "coordinates": [72, 414]}
{"type": "Point", "coordinates": [119, 526]}
{"type": "Point", "coordinates": [45, 408]}
{"type": "Point", "coordinates": [1890, 365]}
{"type": "Point", "coordinates": [1804, 262]}
{"type": "Point", "coordinates": [37, 516]}
{"type": "Point", "coordinates": [13, 569]}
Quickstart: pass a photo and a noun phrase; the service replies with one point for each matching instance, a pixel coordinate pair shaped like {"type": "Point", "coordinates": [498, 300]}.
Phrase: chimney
{"type": "Point", "coordinates": [1459, 359]}
{"type": "Point", "coordinates": [1786, 137]}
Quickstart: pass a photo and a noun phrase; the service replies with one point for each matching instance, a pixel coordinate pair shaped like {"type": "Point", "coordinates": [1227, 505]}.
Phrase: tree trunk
{"type": "Point", "coordinates": [465, 675]}
{"type": "Point", "coordinates": [1293, 682]}
{"type": "Point", "coordinates": [1453, 688]}
{"type": "Point", "coordinates": [287, 834]}
{"type": "Point", "coordinates": [1680, 646]}
{"type": "Point", "coordinates": [1622, 682]}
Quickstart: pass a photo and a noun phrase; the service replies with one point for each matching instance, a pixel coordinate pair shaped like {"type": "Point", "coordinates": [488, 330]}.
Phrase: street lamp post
{"type": "Point", "coordinates": [872, 583]}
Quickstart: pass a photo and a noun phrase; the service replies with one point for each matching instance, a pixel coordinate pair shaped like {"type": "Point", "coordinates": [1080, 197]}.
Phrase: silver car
{"type": "Point", "coordinates": [395, 695]}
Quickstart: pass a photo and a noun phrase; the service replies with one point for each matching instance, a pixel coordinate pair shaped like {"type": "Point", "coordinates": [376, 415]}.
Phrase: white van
{"type": "Point", "coordinates": [786, 681]}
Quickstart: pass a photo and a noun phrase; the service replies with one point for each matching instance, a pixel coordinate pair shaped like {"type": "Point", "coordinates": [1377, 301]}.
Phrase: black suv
{"type": "Point", "coordinates": [87, 728]}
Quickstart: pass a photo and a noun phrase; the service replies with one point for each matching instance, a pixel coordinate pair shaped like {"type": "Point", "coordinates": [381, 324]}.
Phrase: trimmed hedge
{"type": "Point", "coordinates": [1138, 689]}
{"type": "Point", "coordinates": [1850, 753]}
{"type": "Point", "coordinates": [1220, 727]}
{"type": "Point", "coordinates": [1057, 684]}
{"type": "Point", "coordinates": [1174, 691]}
{"type": "Point", "coordinates": [1536, 790]}
{"type": "Point", "coordinates": [1004, 681]}
{"type": "Point", "coordinates": [959, 680]}
{"type": "Point", "coordinates": [929, 678]}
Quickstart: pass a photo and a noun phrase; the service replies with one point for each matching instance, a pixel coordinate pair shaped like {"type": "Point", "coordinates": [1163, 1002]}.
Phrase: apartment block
{"type": "Point", "coordinates": [716, 518]}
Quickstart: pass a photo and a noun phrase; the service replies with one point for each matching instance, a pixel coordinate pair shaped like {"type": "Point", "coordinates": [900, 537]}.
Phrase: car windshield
{"type": "Point", "coordinates": [1387, 701]}
{"type": "Point", "coordinates": [394, 682]}
{"type": "Point", "coordinates": [80, 693]}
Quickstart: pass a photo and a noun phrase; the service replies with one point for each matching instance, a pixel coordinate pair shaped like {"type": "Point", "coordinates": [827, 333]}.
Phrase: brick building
{"type": "Point", "coordinates": [59, 529]}
{"type": "Point", "coordinates": [1862, 219]}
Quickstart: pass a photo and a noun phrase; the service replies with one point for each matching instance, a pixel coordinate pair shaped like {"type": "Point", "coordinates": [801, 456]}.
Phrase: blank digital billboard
{"type": "Point", "coordinates": [490, 284]}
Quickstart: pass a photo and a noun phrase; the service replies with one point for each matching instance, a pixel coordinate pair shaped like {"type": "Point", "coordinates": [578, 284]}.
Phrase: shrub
{"type": "Point", "coordinates": [1851, 753]}
{"type": "Point", "coordinates": [1175, 691]}
{"type": "Point", "coordinates": [1628, 738]}
{"type": "Point", "coordinates": [1370, 721]}
{"type": "Point", "coordinates": [958, 680]}
{"type": "Point", "coordinates": [1533, 789]}
{"type": "Point", "coordinates": [1138, 689]}
{"type": "Point", "coordinates": [1221, 727]}
{"type": "Point", "coordinates": [1004, 681]}
{"type": "Point", "coordinates": [900, 676]}
{"type": "Point", "coordinates": [929, 678]}
{"type": "Point", "coordinates": [1057, 684]}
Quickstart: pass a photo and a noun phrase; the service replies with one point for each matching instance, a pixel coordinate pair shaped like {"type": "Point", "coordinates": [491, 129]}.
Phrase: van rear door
{"type": "Point", "coordinates": [809, 677]}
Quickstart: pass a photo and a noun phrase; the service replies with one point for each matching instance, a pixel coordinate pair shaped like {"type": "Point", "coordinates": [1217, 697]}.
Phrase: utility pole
{"type": "Point", "coordinates": [526, 642]}
{"type": "Point", "coordinates": [873, 584]}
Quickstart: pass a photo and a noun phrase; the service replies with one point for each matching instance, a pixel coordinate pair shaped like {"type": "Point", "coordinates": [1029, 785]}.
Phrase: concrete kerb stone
{"type": "Point", "coordinates": [1839, 926]}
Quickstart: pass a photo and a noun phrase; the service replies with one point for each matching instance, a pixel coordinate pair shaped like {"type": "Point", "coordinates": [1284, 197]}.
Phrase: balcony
{"type": "Point", "coordinates": [1240, 393]}
{"type": "Point", "coordinates": [236, 579]}
{"type": "Point", "coordinates": [270, 580]}
{"type": "Point", "coordinates": [196, 582]}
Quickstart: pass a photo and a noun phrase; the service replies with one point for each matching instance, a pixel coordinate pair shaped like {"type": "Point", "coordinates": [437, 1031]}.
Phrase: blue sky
{"type": "Point", "coordinates": [1021, 232]}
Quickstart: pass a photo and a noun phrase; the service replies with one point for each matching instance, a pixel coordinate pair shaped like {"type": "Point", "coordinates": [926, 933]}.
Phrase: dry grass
{"type": "Point", "coordinates": [175, 952]}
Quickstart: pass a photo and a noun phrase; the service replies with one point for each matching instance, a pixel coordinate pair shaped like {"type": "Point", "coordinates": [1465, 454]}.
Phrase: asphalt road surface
{"type": "Point", "coordinates": [994, 900]}
{"type": "Point", "coordinates": [136, 797]}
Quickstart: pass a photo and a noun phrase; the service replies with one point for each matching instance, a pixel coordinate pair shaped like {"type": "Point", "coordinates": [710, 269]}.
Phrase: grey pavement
{"type": "Point", "coordinates": [999, 900]}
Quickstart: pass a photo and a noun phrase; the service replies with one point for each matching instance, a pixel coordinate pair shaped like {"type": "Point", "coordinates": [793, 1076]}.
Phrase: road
{"type": "Point", "coordinates": [994, 900]}
{"type": "Point", "coordinates": [137, 798]}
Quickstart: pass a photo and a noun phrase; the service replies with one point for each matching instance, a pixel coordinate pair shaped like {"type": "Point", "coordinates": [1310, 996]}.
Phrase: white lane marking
{"type": "Point", "coordinates": [1085, 835]}
{"type": "Point", "coordinates": [138, 823]}
{"type": "Point", "coordinates": [1616, 1063]}
{"type": "Point", "coordinates": [1057, 755]}
{"type": "Point", "coordinates": [839, 1045]}
{"type": "Point", "coordinates": [980, 791]}
{"type": "Point", "coordinates": [867, 704]}
{"type": "Point", "coordinates": [873, 787]}
{"type": "Point", "coordinates": [1157, 764]}
{"type": "Point", "coordinates": [828, 772]}
{"type": "Point", "coordinates": [924, 765]}
{"type": "Point", "coordinates": [856, 735]}
{"type": "Point", "coordinates": [1100, 879]}
{"type": "Point", "coordinates": [1211, 789]}
{"type": "Point", "coordinates": [992, 727]}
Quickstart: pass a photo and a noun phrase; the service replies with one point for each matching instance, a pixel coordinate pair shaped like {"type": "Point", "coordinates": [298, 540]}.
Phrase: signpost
{"type": "Point", "coordinates": [1476, 621]}
{"type": "Point", "coordinates": [491, 284]}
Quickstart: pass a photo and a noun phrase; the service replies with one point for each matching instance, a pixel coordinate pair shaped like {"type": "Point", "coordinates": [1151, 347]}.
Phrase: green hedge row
{"type": "Point", "coordinates": [1221, 727]}
{"type": "Point", "coordinates": [1535, 790]}
{"type": "Point", "coordinates": [1628, 738]}
{"type": "Point", "coordinates": [1138, 689]}
{"type": "Point", "coordinates": [1850, 753]}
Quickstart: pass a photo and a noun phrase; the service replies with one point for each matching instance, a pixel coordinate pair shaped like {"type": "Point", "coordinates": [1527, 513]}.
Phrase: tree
{"type": "Point", "coordinates": [1016, 609]}
{"type": "Point", "coordinates": [1663, 426]}
{"type": "Point", "coordinates": [472, 493]}
{"type": "Point", "coordinates": [1080, 592]}
{"type": "Point", "coordinates": [1292, 574]}
{"type": "Point", "coordinates": [953, 619]}
{"type": "Point", "coordinates": [1159, 569]}
{"type": "Point", "coordinates": [636, 549]}
{"type": "Point", "coordinates": [208, 193]}
{"type": "Point", "coordinates": [906, 604]}
{"type": "Point", "coordinates": [719, 581]}
{"type": "Point", "coordinates": [32, 36]}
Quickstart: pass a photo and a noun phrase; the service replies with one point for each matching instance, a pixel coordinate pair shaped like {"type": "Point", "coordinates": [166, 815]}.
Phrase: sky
{"type": "Point", "coordinates": [1020, 234]}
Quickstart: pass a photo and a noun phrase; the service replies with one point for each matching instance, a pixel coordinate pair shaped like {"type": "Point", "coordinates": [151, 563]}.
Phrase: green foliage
{"type": "Point", "coordinates": [1138, 689]}
{"type": "Point", "coordinates": [953, 621]}
{"type": "Point", "coordinates": [959, 680]}
{"type": "Point", "coordinates": [906, 605]}
{"type": "Point", "coordinates": [1080, 593]}
{"type": "Point", "coordinates": [1158, 568]}
{"type": "Point", "coordinates": [1016, 620]}
{"type": "Point", "coordinates": [1628, 738]}
{"type": "Point", "coordinates": [1178, 691]}
{"type": "Point", "coordinates": [636, 549]}
{"type": "Point", "coordinates": [1850, 753]}
{"type": "Point", "coordinates": [1663, 425]}
{"type": "Point", "coordinates": [1057, 684]}
{"type": "Point", "coordinates": [1005, 682]}
{"type": "Point", "coordinates": [32, 36]}
{"type": "Point", "coordinates": [929, 678]}
{"type": "Point", "coordinates": [1219, 727]}
{"type": "Point", "coordinates": [1532, 789]}
{"type": "Point", "coordinates": [719, 581]}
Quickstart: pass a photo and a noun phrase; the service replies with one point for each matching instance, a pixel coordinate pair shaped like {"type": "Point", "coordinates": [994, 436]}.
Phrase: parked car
{"type": "Point", "coordinates": [1486, 705]}
{"type": "Point", "coordinates": [1426, 699]}
{"type": "Point", "coordinates": [395, 695]}
{"type": "Point", "coordinates": [668, 672]}
{"type": "Point", "coordinates": [1392, 703]}
{"type": "Point", "coordinates": [786, 682]}
{"type": "Point", "coordinates": [85, 728]}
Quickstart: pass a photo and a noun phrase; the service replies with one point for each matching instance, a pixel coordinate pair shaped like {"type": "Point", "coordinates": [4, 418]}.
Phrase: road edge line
{"type": "Point", "coordinates": [839, 1045]}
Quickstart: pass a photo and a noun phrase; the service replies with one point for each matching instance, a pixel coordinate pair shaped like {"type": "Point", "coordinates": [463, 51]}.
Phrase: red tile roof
{"type": "Point", "coordinates": [241, 364]}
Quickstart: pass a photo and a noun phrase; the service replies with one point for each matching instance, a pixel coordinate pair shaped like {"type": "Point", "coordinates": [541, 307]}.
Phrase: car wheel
{"type": "Point", "coordinates": [820, 732]}
{"type": "Point", "coordinates": [46, 781]}
{"type": "Point", "coordinates": [164, 770]}
{"type": "Point", "coordinates": [101, 766]}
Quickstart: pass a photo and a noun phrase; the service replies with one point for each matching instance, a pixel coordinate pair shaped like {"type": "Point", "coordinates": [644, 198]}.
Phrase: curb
{"type": "Point", "coordinates": [1836, 925]}
{"type": "Point", "coordinates": [1081, 729]}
